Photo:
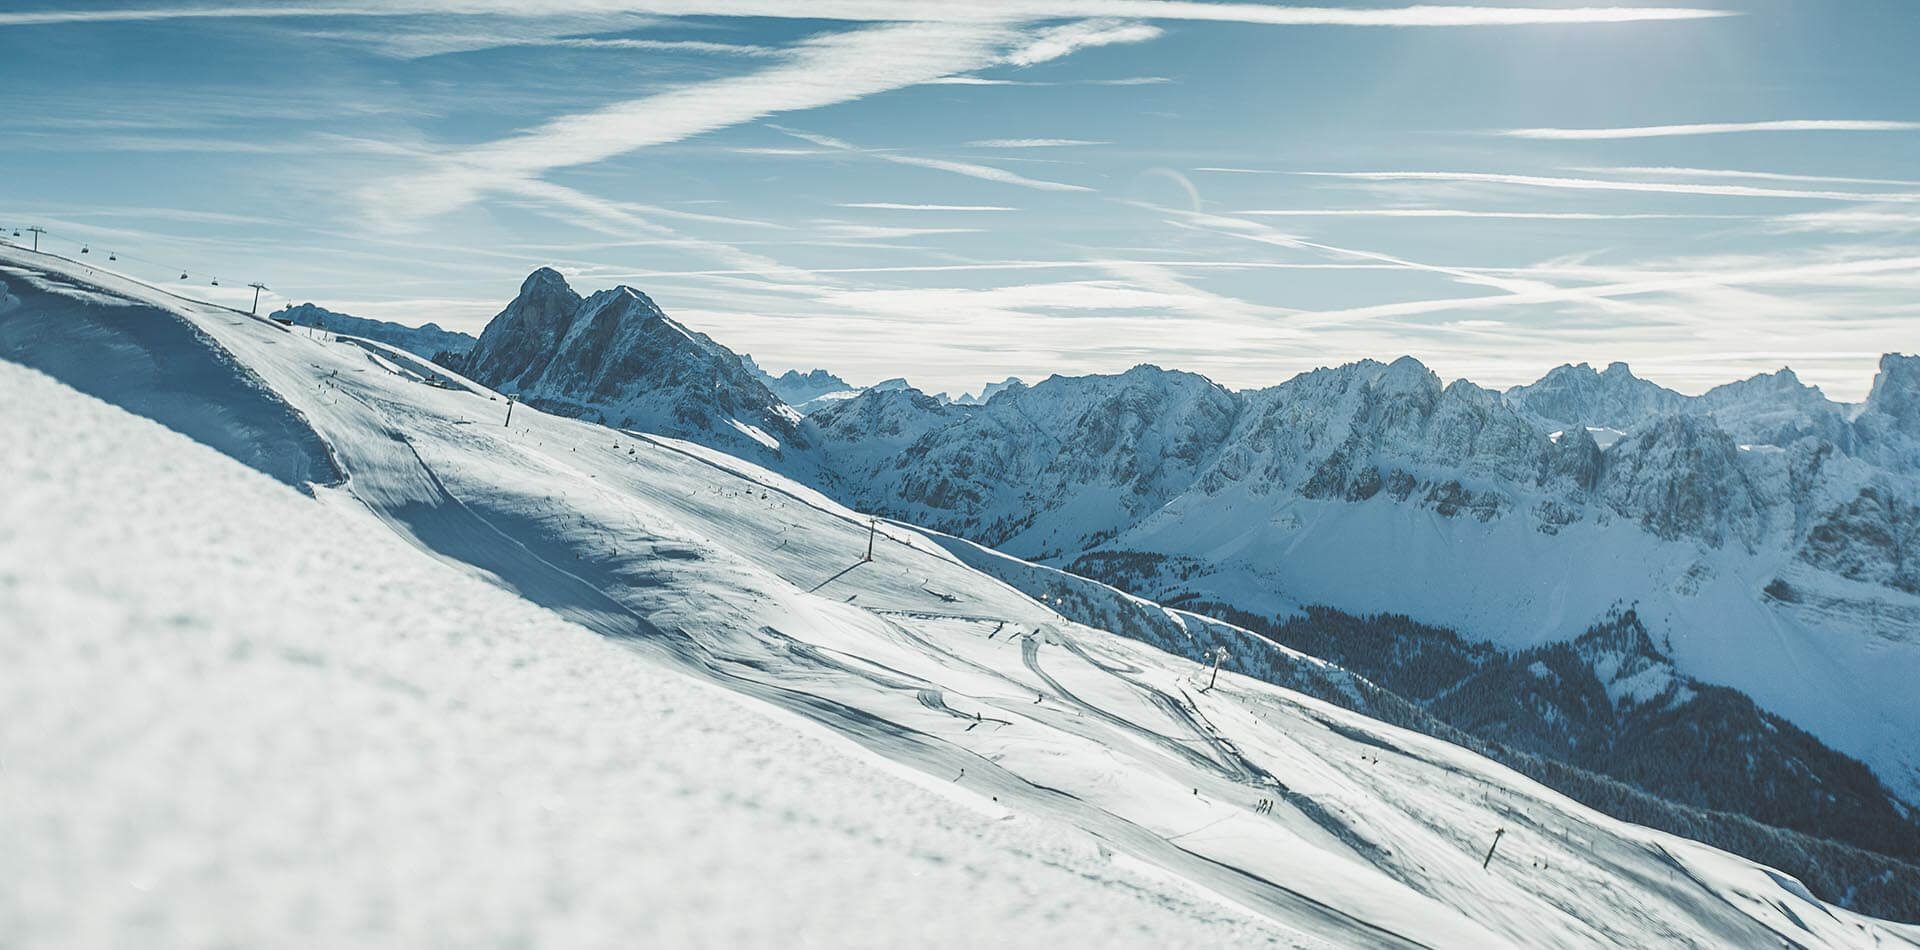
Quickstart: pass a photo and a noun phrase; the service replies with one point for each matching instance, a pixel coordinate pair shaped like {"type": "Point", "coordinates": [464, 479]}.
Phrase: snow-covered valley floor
{"type": "Point", "coordinates": [234, 714]}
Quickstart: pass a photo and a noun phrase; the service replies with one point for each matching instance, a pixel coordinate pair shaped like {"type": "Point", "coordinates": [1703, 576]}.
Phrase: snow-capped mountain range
{"type": "Point", "coordinates": [1759, 506]}
{"type": "Point", "coordinates": [428, 340]}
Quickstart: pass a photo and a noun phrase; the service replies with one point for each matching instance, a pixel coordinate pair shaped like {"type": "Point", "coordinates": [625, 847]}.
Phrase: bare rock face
{"type": "Point", "coordinates": [1896, 392]}
{"type": "Point", "coordinates": [1682, 477]}
{"type": "Point", "coordinates": [521, 340]}
{"type": "Point", "coordinates": [615, 357]}
{"type": "Point", "coordinates": [1873, 538]}
{"type": "Point", "coordinates": [1578, 395]}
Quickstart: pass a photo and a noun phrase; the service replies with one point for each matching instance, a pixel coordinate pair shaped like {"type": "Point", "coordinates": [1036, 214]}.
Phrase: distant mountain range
{"type": "Point", "coordinates": [1765, 539]}
{"type": "Point", "coordinates": [428, 341]}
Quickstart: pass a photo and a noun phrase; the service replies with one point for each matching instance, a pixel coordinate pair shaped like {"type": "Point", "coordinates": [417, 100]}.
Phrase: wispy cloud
{"type": "Point", "coordinates": [1754, 176]}
{"type": "Point", "coordinates": [1773, 275]}
{"type": "Point", "coordinates": [987, 81]}
{"type": "Point", "coordinates": [1460, 213]}
{"type": "Point", "coordinates": [872, 232]}
{"type": "Point", "coordinates": [825, 70]}
{"type": "Point", "coordinates": [1848, 221]}
{"type": "Point", "coordinates": [1032, 143]}
{"type": "Point", "coordinates": [1598, 184]}
{"type": "Point", "coordinates": [897, 206]}
{"type": "Point", "coordinates": [1055, 42]}
{"type": "Point", "coordinates": [1260, 233]}
{"type": "Point", "coordinates": [1714, 128]}
{"type": "Point", "coordinates": [910, 10]}
{"type": "Point", "coordinates": [969, 169]}
{"type": "Point", "coordinates": [623, 219]}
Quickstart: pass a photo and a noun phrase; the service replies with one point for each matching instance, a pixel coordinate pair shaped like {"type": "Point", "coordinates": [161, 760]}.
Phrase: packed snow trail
{"type": "Point", "coordinates": [707, 563]}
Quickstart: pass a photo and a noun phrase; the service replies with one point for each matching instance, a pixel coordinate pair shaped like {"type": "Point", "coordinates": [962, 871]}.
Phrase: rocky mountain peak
{"type": "Point", "coordinates": [1681, 476]}
{"type": "Point", "coordinates": [1407, 375]}
{"type": "Point", "coordinates": [519, 342]}
{"type": "Point", "coordinates": [617, 357]}
{"type": "Point", "coordinates": [545, 280]}
{"type": "Point", "coordinates": [1575, 394]}
{"type": "Point", "coordinates": [1896, 392]}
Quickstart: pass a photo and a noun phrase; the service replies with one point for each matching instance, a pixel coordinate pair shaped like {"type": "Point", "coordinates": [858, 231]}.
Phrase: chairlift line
{"type": "Point", "coordinates": [86, 247]}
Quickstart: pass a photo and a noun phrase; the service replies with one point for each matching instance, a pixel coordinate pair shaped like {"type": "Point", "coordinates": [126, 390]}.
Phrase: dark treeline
{"type": "Point", "coordinates": [1690, 758]}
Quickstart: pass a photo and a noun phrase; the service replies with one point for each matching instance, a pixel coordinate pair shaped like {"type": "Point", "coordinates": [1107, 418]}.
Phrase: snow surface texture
{"type": "Point", "coordinates": [263, 720]}
{"type": "Point", "coordinates": [695, 561]}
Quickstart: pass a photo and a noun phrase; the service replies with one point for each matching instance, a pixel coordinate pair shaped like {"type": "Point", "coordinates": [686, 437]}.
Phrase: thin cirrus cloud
{"type": "Point", "coordinates": [1033, 143]}
{"type": "Point", "coordinates": [1007, 11]}
{"type": "Point", "coordinates": [840, 67]}
{"type": "Point", "coordinates": [1056, 42]}
{"type": "Point", "coordinates": [1807, 275]}
{"type": "Point", "coordinates": [900, 206]}
{"type": "Point", "coordinates": [1848, 221]}
{"type": "Point", "coordinates": [1713, 128]}
{"type": "Point", "coordinates": [989, 81]}
{"type": "Point", "coordinates": [1463, 213]}
{"type": "Point", "coordinates": [1669, 172]}
{"type": "Point", "coordinates": [826, 70]}
{"type": "Point", "coordinates": [969, 169]}
{"type": "Point", "coordinates": [1599, 184]}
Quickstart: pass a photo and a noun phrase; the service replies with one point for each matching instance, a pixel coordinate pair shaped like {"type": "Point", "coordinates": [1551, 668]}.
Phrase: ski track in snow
{"type": "Point", "coordinates": [696, 562]}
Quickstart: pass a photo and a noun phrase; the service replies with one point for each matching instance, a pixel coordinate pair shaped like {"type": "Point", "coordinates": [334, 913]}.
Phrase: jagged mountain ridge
{"type": "Point", "coordinates": [615, 357]}
{"type": "Point", "coordinates": [798, 389]}
{"type": "Point", "coordinates": [1508, 527]}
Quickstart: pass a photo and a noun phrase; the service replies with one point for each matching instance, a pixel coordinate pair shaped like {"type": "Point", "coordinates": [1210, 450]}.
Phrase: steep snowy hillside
{"type": "Point", "coordinates": [1325, 824]}
{"type": "Point", "coordinates": [616, 358]}
{"type": "Point", "coordinates": [427, 340]}
{"type": "Point", "coordinates": [261, 717]}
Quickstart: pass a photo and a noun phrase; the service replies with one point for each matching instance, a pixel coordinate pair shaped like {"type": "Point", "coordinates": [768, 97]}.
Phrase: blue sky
{"type": "Point", "coordinates": [957, 192]}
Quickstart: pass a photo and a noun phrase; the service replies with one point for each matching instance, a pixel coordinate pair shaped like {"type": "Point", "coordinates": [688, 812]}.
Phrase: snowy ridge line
{"type": "Point", "coordinates": [1378, 853]}
{"type": "Point", "coordinates": [93, 270]}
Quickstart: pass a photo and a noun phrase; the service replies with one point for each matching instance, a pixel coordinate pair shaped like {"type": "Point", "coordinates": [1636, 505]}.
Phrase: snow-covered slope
{"type": "Point", "coordinates": [257, 719]}
{"type": "Point", "coordinates": [1756, 504]}
{"type": "Point", "coordinates": [732, 574]}
{"type": "Point", "coordinates": [151, 361]}
{"type": "Point", "coordinates": [427, 340]}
